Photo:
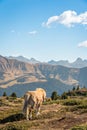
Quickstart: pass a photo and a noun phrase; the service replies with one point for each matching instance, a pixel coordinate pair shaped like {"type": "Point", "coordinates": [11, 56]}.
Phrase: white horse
{"type": "Point", "coordinates": [33, 100]}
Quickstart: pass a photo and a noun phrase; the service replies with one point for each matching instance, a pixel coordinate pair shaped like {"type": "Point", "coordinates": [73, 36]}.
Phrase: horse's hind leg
{"type": "Point", "coordinates": [30, 114]}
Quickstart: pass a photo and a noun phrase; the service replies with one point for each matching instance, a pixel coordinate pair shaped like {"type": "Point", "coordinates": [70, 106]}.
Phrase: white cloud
{"type": "Point", "coordinates": [33, 32]}
{"type": "Point", "coordinates": [83, 44]}
{"type": "Point", "coordinates": [50, 20]}
{"type": "Point", "coordinates": [68, 18]}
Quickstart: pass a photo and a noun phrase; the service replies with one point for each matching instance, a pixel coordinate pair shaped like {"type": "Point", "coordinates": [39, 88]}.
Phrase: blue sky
{"type": "Point", "coordinates": [44, 29]}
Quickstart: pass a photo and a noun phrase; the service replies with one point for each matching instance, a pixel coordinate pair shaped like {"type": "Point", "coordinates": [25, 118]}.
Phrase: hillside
{"type": "Point", "coordinates": [20, 76]}
{"type": "Point", "coordinates": [67, 114]}
{"type": "Point", "coordinates": [13, 71]}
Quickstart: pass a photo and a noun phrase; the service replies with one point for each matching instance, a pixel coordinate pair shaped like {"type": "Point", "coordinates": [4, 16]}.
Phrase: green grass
{"type": "Point", "coordinates": [81, 127]}
{"type": "Point", "coordinates": [72, 102]}
{"type": "Point", "coordinates": [23, 125]}
{"type": "Point", "coordinates": [51, 102]}
{"type": "Point", "coordinates": [76, 105]}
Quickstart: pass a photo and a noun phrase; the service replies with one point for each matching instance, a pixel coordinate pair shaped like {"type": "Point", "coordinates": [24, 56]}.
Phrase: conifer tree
{"type": "Point", "coordinates": [4, 94]}
{"type": "Point", "coordinates": [13, 95]}
{"type": "Point", "coordinates": [54, 95]}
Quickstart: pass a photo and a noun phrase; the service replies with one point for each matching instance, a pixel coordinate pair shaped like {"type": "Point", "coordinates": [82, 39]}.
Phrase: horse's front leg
{"type": "Point", "coordinates": [38, 109]}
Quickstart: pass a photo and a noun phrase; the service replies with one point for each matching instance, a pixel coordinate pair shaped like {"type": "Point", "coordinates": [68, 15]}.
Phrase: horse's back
{"type": "Point", "coordinates": [35, 96]}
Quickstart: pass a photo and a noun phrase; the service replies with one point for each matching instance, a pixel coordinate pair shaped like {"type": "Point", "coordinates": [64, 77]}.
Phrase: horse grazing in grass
{"type": "Point", "coordinates": [33, 100]}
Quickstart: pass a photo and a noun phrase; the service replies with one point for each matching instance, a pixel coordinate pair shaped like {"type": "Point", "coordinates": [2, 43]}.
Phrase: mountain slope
{"type": "Point", "coordinates": [20, 76]}
{"type": "Point", "coordinates": [50, 85]}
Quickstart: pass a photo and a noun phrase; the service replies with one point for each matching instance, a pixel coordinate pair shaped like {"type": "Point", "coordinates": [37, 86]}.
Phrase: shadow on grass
{"type": "Point", "coordinates": [12, 118]}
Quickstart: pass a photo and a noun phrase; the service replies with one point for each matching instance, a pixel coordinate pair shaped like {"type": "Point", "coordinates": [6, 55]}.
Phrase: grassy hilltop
{"type": "Point", "coordinates": [60, 114]}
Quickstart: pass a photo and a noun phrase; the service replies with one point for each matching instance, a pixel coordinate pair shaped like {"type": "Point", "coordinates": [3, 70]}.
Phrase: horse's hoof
{"type": "Point", "coordinates": [27, 119]}
{"type": "Point", "coordinates": [38, 113]}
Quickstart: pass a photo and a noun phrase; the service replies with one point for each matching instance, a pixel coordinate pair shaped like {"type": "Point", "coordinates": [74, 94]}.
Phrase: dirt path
{"type": "Point", "coordinates": [65, 121]}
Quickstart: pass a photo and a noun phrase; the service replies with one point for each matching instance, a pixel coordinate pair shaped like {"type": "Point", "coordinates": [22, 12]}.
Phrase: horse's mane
{"type": "Point", "coordinates": [40, 89]}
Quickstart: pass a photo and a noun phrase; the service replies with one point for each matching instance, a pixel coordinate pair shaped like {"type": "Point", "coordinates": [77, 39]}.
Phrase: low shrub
{"type": "Point", "coordinates": [71, 102]}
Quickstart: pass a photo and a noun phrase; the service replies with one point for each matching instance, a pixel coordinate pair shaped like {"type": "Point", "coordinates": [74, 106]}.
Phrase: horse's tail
{"type": "Point", "coordinates": [26, 98]}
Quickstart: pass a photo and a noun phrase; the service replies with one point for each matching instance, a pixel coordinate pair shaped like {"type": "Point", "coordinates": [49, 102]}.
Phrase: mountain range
{"type": "Point", "coordinates": [24, 59]}
{"type": "Point", "coordinates": [19, 76]}
{"type": "Point", "coordinates": [78, 63]}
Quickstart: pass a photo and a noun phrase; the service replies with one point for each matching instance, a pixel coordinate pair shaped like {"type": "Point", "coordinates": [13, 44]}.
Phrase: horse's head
{"type": "Point", "coordinates": [43, 92]}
